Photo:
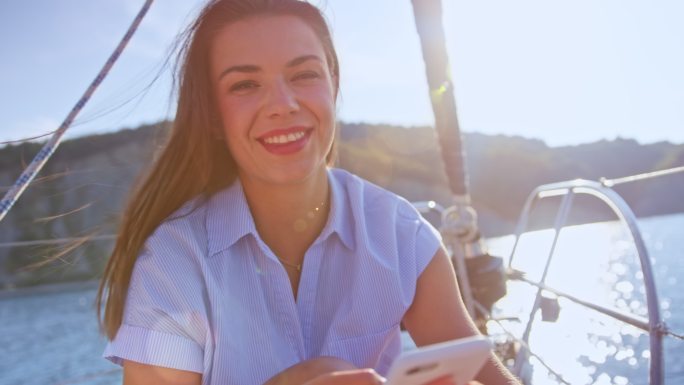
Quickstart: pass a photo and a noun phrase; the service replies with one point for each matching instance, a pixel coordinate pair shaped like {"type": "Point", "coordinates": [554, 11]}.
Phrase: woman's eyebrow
{"type": "Point", "coordinates": [250, 68]}
{"type": "Point", "coordinates": [301, 59]}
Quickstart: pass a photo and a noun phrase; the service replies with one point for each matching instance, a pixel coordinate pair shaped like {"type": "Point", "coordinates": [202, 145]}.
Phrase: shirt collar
{"type": "Point", "coordinates": [340, 219]}
{"type": "Point", "coordinates": [229, 218]}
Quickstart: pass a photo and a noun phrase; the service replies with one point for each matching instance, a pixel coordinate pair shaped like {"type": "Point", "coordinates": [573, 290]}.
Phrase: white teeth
{"type": "Point", "coordinates": [282, 139]}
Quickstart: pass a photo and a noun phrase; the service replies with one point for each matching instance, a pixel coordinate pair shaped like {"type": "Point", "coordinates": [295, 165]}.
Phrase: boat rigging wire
{"type": "Point", "coordinates": [633, 178]}
{"type": "Point", "coordinates": [58, 241]}
{"type": "Point", "coordinates": [50, 147]}
{"type": "Point", "coordinates": [637, 322]}
{"type": "Point", "coordinates": [27, 139]}
{"type": "Point", "coordinates": [488, 317]}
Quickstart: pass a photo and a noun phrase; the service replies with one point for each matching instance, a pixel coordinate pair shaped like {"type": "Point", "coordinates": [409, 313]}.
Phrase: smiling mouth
{"type": "Point", "coordinates": [285, 141]}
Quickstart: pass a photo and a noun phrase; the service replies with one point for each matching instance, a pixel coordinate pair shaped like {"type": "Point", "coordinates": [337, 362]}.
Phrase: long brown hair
{"type": "Point", "coordinates": [194, 162]}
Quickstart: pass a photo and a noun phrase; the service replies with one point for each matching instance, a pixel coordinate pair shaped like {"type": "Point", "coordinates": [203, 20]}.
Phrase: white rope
{"type": "Point", "coordinates": [50, 147]}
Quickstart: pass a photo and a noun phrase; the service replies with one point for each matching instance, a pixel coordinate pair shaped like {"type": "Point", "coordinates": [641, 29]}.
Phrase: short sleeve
{"type": "Point", "coordinates": [165, 316]}
{"type": "Point", "coordinates": [418, 235]}
{"type": "Point", "coordinates": [428, 241]}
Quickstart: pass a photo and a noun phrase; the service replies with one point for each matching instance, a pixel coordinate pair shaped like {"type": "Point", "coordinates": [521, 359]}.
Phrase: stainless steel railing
{"type": "Point", "coordinates": [567, 191]}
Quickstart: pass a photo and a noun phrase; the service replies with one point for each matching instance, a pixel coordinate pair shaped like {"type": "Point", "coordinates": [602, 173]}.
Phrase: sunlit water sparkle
{"type": "Point", "coordinates": [598, 263]}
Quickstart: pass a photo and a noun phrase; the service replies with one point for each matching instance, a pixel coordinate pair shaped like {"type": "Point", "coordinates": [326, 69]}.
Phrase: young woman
{"type": "Point", "coordinates": [243, 258]}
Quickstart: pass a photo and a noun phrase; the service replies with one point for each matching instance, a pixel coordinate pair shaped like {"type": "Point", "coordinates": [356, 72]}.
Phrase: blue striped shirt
{"type": "Point", "coordinates": [207, 294]}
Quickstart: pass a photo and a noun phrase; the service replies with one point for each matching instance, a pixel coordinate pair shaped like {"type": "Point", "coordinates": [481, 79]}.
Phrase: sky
{"type": "Point", "coordinates": [565, 72]}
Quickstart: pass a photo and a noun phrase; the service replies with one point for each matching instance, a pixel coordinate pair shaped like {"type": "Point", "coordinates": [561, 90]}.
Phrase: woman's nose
{"type": "Point", "coordinates": [281, 99]}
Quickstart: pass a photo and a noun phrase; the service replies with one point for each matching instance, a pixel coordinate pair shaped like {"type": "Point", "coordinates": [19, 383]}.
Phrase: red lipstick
{"type": "Point", "coordinates": [285, 141]}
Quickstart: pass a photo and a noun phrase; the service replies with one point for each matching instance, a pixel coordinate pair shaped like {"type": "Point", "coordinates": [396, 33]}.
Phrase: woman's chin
{"type": "Point", "coordinates": [288, 175]}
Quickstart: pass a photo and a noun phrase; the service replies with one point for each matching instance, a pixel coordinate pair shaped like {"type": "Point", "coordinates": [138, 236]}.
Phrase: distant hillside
{"type": "Point", "coordinates": [83, 187]}
{"type": "Point", "coordinates": [503, 170]}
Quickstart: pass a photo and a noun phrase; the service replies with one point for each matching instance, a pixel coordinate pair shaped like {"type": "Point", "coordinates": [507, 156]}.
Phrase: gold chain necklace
{"type": "Point", "coordinates": [297, 267]}
{"type": "Point", "coordinates": [299, 226]}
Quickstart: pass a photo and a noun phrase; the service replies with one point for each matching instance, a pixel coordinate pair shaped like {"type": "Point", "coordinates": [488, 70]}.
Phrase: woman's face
{"type": "Point", "coordinates": [275, 97]}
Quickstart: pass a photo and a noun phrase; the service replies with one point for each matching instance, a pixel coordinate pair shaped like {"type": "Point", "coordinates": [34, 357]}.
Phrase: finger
{"type": "Point", "coordinates": [349, 377]}
{"type": "Point", "coordinates": [444, 380]}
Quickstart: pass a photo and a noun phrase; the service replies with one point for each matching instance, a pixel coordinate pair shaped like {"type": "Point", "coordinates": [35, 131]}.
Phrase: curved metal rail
{"type": "Point", "coordinates": [567, 190]}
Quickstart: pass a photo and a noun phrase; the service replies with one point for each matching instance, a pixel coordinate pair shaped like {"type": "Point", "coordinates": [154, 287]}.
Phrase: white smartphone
{"type": "Point", "coordinates": [461, 359]}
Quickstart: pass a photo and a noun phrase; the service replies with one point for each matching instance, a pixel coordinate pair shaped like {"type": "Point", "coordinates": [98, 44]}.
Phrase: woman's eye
{"type": "Point", "coordinates": [243, 86]}
{"type": "Point", "coordinates": [306, 75]}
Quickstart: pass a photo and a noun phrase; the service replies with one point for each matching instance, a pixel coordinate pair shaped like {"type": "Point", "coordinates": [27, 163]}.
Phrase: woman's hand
{"type": "Point", "coordinates": [368, 377]}
{"type": "Point", "coordinates": [310, 370]}
{"type": "Point", "coordinates": [348, 377]}
{"type": "Point", "coordinates": [335, 371]}
{"type": "Point", "coordinates": [447, 380]}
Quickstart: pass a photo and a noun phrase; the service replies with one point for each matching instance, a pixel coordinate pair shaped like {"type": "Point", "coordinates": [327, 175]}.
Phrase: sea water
{"type": "Point", "coordinates": [52, 338]}
{"type": "Point", "coordinates": [598, 263]}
